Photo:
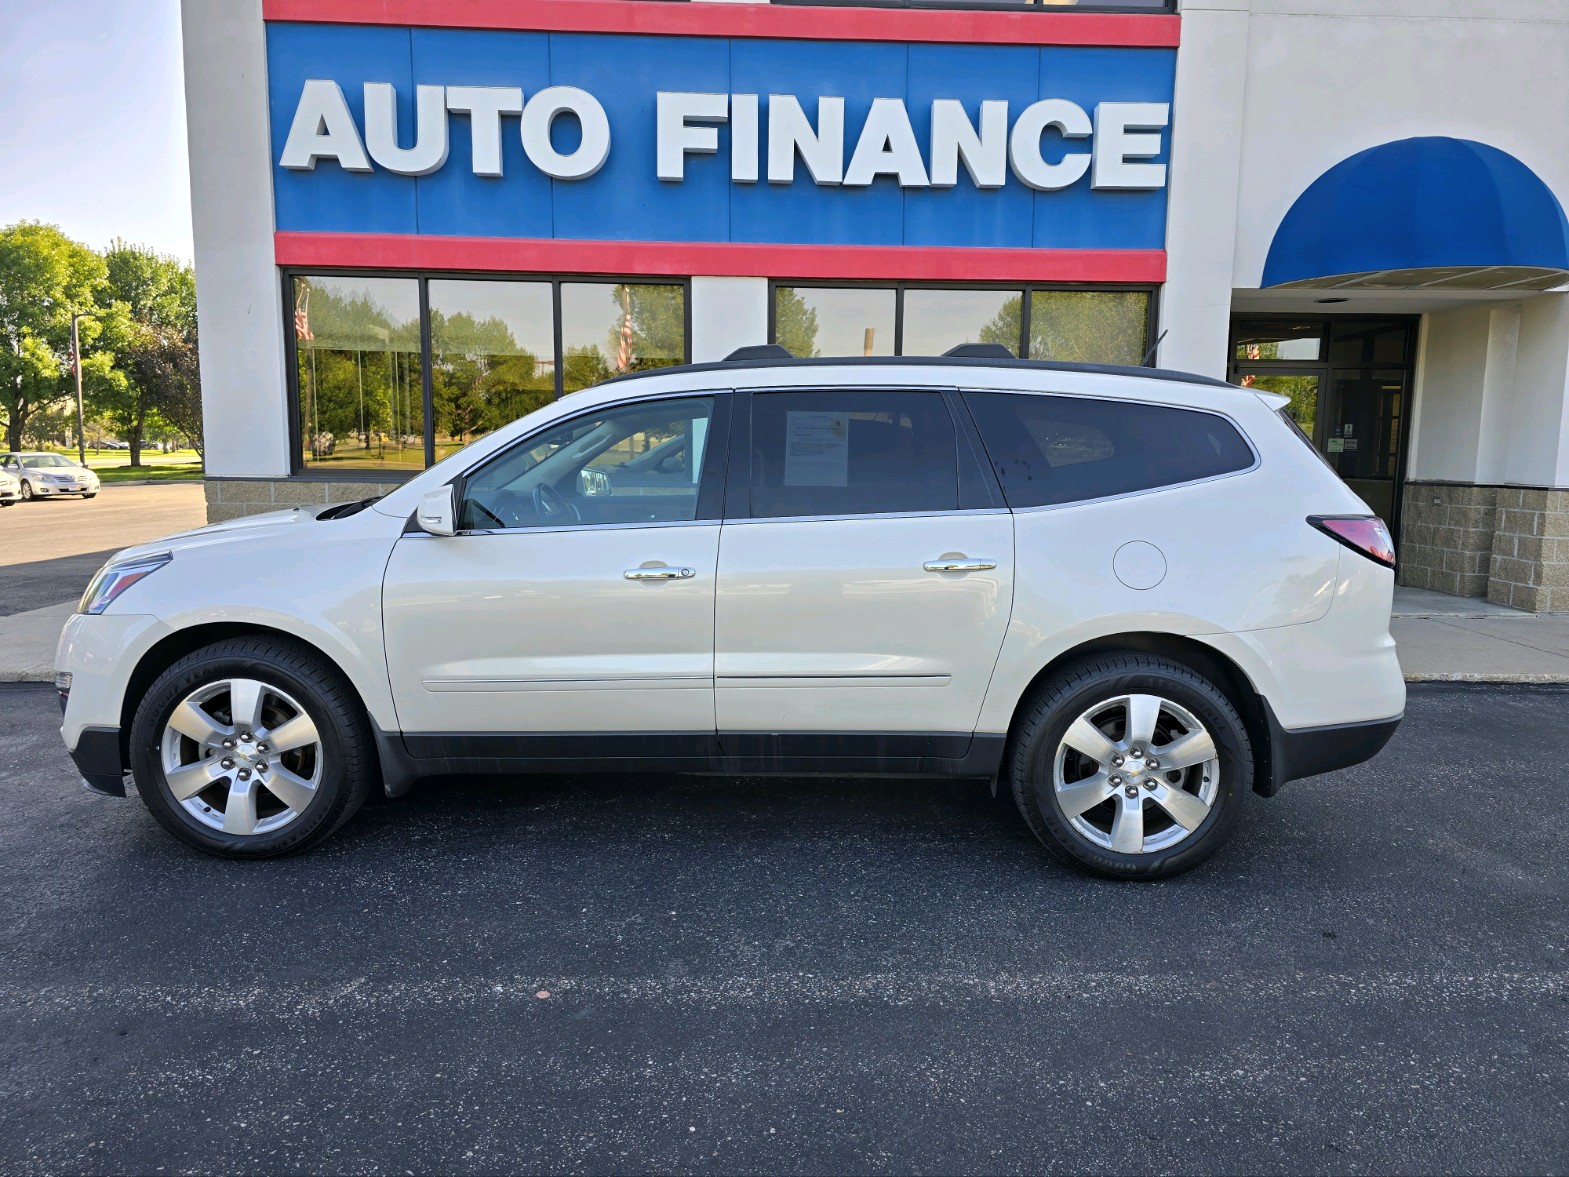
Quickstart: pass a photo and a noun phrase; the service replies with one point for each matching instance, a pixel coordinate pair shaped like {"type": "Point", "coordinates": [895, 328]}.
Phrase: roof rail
{"type": "Point", "coordinates": [756, 352]}
{"type": "Point", "coordinates": [980, 351]}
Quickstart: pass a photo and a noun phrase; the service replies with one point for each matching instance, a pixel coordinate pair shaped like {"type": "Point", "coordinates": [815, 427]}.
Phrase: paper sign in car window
{"type": "Point", "coordinates": [817, 449]}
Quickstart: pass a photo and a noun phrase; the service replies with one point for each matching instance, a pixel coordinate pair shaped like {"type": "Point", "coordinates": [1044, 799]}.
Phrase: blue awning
{"type": "Point", "coordinates": [1419, 204]}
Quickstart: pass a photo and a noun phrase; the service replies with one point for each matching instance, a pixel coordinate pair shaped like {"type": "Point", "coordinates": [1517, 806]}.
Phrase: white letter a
{"type": "Point", "coordinates": [323, 128]}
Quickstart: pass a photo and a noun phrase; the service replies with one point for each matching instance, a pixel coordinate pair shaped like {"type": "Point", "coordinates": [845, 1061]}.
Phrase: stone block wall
{"type": "Point", "coordinates": [1446, 537]}
{"type": "Point", "coordinates": [233, 498]}
{"type": "Point", "coordinates": [1530, 562]}
{"type": "Point", "coordinates": [1509, 544]}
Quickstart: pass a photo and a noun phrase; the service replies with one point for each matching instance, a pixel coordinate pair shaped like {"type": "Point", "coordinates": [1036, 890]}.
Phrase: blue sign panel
{"type": "Point", "coordinates": [584, 136]}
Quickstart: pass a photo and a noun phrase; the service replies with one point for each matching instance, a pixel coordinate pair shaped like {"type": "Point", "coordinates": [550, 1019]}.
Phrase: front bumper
{"type": "Point", "coordinates": [44, 489]}
{"type": "Point", "coordinates": [98, 759]}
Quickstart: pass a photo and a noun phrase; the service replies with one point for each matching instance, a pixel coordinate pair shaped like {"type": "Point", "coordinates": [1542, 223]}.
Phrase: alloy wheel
{"type": "Point", "coordinates": [242, 756]}
{"type": "Point", "coordinates": [1136, 774]}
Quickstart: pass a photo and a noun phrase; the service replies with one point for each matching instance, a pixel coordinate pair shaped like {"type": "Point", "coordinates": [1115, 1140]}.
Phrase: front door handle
{"type": "Point", "coordinates": [660, 573]}
{"type": "Point", "coordinates": [959, 564]}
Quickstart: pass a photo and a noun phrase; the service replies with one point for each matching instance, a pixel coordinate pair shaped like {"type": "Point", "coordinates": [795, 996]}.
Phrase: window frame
{"type": "Point", "coordinates": [712, 479]}
{"type": "Point", "coordinates": [978, 490]}
{"type": "Point", "coordinates": [287, 274]}
{"type": "Point", "coordinates": [966, 393]}
{"type": "Point", "coordinates": [1151, 320]}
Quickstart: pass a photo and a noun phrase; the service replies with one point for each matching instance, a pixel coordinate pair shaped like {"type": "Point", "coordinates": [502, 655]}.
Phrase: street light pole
{"type": "Point", "coordinates": [76, 362]}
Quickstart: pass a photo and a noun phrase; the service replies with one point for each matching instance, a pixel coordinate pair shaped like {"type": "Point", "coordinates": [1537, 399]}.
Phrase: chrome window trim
{"type": "Point", "coordinates": [869, 515]}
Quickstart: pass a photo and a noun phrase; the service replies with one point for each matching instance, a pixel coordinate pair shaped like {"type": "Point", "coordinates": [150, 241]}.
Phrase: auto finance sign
{"type": "Point", "coordinates": [710, 139]}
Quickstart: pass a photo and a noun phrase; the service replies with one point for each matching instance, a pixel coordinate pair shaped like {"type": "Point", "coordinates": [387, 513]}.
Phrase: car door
{"type": "Point", "coordinates": [865, 577]}
{"type": "Point", "coordinates": [568, 616]}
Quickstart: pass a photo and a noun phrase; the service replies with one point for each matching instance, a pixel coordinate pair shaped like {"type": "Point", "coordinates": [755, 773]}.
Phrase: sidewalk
{"type": "Point", "coordinates": [1441, 639]}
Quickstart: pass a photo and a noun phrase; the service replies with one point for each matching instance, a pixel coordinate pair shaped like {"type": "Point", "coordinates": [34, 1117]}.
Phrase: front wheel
{"type": "Point", "coordinates": [27, 492]}
{"type": "Point", "coordinates": [251, 748]}
{"type": "Point", "coordinates": [90, 495]}
{"type": "Point", "coordinates": [1130, 766]}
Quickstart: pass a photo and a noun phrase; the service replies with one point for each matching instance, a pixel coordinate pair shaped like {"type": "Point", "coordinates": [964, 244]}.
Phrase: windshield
{"type": "Point", "coordinates": [39, 461]}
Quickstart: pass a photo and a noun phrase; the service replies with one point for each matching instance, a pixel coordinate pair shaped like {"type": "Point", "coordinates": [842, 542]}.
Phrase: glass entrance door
{"type": "Point", "coordinates": [1349, 381]}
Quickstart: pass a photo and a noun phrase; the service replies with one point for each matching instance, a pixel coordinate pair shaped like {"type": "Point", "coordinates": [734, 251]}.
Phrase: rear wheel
{"type": "Point", "coordinates": [251, 748]}
{"type": "Point", "coordinates": [1130, 766]}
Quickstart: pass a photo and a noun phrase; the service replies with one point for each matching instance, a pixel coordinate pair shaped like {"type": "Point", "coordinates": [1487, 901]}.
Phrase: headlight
{"type": "Point", "coordinates": [114, 579]}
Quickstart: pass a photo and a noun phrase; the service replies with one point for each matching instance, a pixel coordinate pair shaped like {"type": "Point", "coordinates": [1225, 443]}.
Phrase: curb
{"type": "Point", "coordinates": [1460, 677]}
{"type": "Point", "coordinates": [27, 676]}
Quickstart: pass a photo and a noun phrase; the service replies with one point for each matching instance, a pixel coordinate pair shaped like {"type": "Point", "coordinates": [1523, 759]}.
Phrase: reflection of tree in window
{"type": "Point", "coordinates": [481, 377]}
{"type": "Point", "coordinates": [1079, 326]}
{"type": "Point", "coordinates": [795, 323]}
{"type": "Point", "coordinates": [361, 402]}
{"type": "Point", "coordinates": [644, 328]}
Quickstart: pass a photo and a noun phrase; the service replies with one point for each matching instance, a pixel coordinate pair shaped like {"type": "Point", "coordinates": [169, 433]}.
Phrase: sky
{"type": "Point", "coordinates": [92, 120]}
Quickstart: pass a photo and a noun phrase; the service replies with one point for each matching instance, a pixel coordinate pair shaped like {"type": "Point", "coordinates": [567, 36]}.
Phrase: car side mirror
{"type": "Point", "coordinates": [438, 512]}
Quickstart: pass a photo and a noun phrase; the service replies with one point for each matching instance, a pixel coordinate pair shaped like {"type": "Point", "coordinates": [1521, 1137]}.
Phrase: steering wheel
{"type": "Point", "coordinates": [550, 506]}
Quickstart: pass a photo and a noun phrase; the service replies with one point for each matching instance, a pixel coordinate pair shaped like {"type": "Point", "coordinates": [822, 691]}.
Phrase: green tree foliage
{"type": "Point", "coordinates": [1082, 326]}
{"type": "Point", "coordinates": [795, 323]}
{"type": "Point", "coordinates": [481, 377]}
{"type": "Point", "coordinates": [44, 277]}
{"type": "Point", "coordinates": [147, 319]}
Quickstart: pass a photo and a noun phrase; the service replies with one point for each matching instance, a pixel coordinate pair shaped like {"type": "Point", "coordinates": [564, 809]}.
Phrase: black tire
{"type": "Point", "coordinates": [27, 491]}
{"type": "Point", "coordinates": [349, 767]}
{"type": "Point", "coordinates": [93, 495]}
{"type": "Point", "coordinates": [1044, 720]}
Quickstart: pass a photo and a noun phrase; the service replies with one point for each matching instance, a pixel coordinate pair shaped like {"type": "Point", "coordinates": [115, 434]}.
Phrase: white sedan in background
{"type": "Point", "coordinates": [44, 475]}
{"type": "Point", "coordinates": [10, 490]}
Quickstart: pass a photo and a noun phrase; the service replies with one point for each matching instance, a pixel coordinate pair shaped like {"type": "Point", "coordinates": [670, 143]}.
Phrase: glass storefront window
{"type": "Point", "coordinates": [611, 328]}
{"type": "Point", "coordinates": [835, 321]}
{"type": "Point", "coordinates": [492, 356]}
{"type": "Point", "coordinates": [1084, 326]}
{"type": "Point", "coordinates": [1275, 340]}
{"type": "Point", "coordinates": [361, 394]}
{"type": "Point", "coordinates": [1089, 326]}
{"type": "Point", "coordinates": [936, 320]}
{"type": "Point", "coordinates": [1359, 342]}
{"type": "Point", "coordinates": [360, 388]}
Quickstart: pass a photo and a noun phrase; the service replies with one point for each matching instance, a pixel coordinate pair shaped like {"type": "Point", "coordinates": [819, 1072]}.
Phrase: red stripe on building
{"type": "Point", "coordinates": [396, 251]}
{"type": "Point", "coordinates": [812, 23]}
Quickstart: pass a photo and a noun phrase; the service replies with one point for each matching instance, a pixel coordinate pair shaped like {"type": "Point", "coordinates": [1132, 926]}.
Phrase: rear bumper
{"type": "Point", "coordinates": [98, 759]}
{"type": "Point", "coordinates": [1311, 751]}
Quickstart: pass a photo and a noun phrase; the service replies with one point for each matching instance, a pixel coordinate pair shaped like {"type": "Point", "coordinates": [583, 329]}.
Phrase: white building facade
{"type": "Point", "coordinates": [417, 220]}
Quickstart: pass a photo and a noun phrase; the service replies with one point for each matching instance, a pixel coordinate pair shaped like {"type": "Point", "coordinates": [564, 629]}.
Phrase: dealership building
{"type": "Point", "coordinates": [416, 220]}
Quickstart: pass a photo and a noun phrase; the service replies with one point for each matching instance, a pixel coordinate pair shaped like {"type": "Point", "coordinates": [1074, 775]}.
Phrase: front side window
{"type": "Point", "coordinates": [1061, 449]}
{"type": "Point", "coordinates": [852, 453]}
{"type": "Point", "coordinates": [638, 463]}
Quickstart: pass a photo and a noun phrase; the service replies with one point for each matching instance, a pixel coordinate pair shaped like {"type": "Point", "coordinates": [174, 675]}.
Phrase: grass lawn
{"type": "Point", "coordinates": [185, 472]}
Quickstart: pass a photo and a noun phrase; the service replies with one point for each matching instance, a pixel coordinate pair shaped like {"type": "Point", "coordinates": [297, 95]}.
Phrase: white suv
{"type": "Point", "coordinates": [1126, 595]}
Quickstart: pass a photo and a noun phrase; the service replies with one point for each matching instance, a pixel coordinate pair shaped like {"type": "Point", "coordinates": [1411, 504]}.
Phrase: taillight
{"type": "Point", "coordinates": [1361, 533]}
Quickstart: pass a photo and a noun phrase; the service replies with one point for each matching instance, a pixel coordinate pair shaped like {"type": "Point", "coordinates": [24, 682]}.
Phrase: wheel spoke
{"type": "Point", "coordinates": [295, 733]}
{"type": "Point", "coordinates": [1185, 751]}
{"type": "Point", "coordinates": [1127, 828]}
{"type": "Point", "coordinates": [186, 782]}
{"type": "Point", "coordinates": [292, 790]}
{"type": "Point", "coordinates": [1083, 736]}
{"type": "Point", "coordinates": [1143, 714]}
{"type": "Point", "coordinates": [1082, 796]}
{"type": "Point", "coordinates": [190, 720]}
{"type": "Point", "coordinates": [1186, 810]}
{"type": "Point", "coordinates": [245, 703]}
{"type": "Point", "coordinates": [239, 813]}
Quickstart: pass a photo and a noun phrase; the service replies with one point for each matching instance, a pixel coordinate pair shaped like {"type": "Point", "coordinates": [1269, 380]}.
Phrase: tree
{"type": "Point", "coordinates": [795, 323]}
{"type": "Point", "coordinates": [147, 319]}
{"type": "Point", "coordinates": [1089, 326]}
{"type": "Point", "coordinates": [163, 360]}
{"type": "Point", "coordinates": [44, 277]}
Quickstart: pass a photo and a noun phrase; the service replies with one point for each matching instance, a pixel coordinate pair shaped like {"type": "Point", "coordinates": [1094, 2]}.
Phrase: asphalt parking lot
{"type": "Point", "coordinates": [798, 976]}
{"type": "Point", "coordinates": [50, 548]}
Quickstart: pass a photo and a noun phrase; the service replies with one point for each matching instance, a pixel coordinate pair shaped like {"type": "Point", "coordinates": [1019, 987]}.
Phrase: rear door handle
{"type": "Point", "coordinates": [659, 573]}
{"type": "Point", "coordinates": [959, 565]}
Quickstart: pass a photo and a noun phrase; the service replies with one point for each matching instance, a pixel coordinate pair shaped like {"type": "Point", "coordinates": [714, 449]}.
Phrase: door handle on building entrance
{"type": "Point", "coordinates": [959, 565]}
{"type": "Point", "coordinates": [659, 573]}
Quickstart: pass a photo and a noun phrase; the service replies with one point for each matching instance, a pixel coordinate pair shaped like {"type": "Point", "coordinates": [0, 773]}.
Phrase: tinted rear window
{"type": "Point", "coordinates": [1061, 449]}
